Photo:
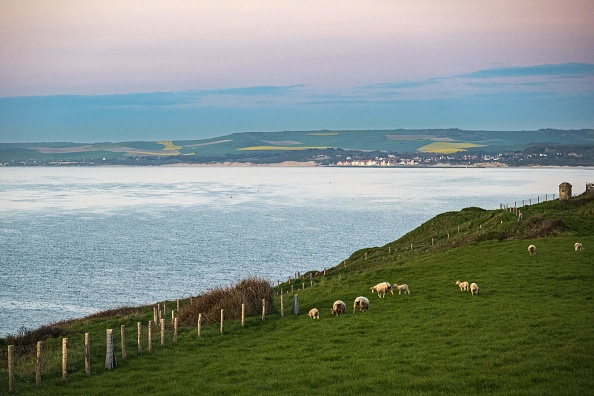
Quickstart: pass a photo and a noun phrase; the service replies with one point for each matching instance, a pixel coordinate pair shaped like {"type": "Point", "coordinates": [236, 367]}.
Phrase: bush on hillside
{"type": "Point", "coordinates": [248, 291]}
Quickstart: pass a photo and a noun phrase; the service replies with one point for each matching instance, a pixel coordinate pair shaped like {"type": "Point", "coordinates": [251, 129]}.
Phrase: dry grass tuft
{"type": "Point", "coordinates": [248, 291]}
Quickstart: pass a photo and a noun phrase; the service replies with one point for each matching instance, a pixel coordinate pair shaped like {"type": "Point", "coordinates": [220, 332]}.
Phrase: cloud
{"type": "Point", "coordinates": [558, 70]}
{"type": "Point", "coordinates": [541, 96]}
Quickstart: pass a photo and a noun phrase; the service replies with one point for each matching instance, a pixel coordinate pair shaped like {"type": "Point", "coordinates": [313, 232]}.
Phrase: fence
{"type": "Point", "coordinates": [54, 360]}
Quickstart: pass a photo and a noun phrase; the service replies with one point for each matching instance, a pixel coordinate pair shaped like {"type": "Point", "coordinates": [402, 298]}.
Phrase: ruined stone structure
{"type": "Point", "coordinates": [564, 191]}
{"type": "Point", "coordinates": [590, 189]}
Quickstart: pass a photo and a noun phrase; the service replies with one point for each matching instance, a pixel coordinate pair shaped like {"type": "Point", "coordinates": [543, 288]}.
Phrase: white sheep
{"type": "Point", "coordinates": [314, 313]}
{"type": "Point", "coordinates": [474, 289]}
{"type": "Point", "coordinates": [338, 308]}
{"type": "Point", "coordinates": [578, 247]}
{"type": "Point", "coordinates": [361, 303]}
{"type": "Point", "coordinates": [402, 288]}
{"type": "Point", "coordinates": [532, 249]}
{"type": "Point", "coordinates": [382, 288]}
{"type": "Point", "coordinates": [463, 285]}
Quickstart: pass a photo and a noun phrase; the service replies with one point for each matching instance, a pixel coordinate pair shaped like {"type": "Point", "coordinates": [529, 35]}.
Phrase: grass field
{"type": "Point", "coordinates": [529, 332]}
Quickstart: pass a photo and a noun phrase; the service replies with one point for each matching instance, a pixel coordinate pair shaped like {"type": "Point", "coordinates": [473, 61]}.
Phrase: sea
{"type": "Point", "coordinates": [78, 240]}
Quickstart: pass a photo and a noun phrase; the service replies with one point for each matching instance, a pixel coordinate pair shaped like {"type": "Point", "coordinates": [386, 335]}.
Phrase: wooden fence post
{"type": "Point", "coordinates": [64, 359]}
{"type": "Point", "coordinates": [11, 368]}
{"type": "Point", "coordinates": [88, 353]}
{"type": "Point", "coordinates": [39, 365]}
{"type": "Point", "coordinates": [139, 337]}
{"type": "Point", "coordinates": [175, 330]}
{"type": "Point", "coordinates": [282, 306]}
{"type": "Point", "coordinates": [150, 336]}
{"type": "Point", "coordinates": [222, 321]}
{"type": "Point", "coordinates": [162, 331]}
{"type": "Point", "coordinates": [109, 352]}
{"type": "Point", "coordinates": [199, 324]}
{"type": "Point", "coordinates": [177, 308]}
{"type": "Point", "coordinates": [296, 304]}
{"type": "Point", "coordinates": [263, 308]}
{"type": "Point", "coordinates": [242, 315]}
{"type": "Point", "coordinates": [123, 337]}
{"type": "Point", "coordinates": [154, 314]}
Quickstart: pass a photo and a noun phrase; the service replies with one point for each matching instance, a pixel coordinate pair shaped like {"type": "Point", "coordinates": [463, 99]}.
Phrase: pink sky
{"type": "Point", "coordinates": [106, 47]}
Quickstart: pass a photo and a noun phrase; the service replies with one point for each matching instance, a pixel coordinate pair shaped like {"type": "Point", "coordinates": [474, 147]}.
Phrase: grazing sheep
{"type": "Point", "coordinates": [361, 304]}
{"type": "Point", "coordinates": [474, 289]}
{"type": "Point", "coordinates": [338, 308]}
{"type": "Point", "coordinates": [463, 285]}
{"type": "Point", "coordinates": [578, 247]}
{"type": "Point", "coordinates": [314, 313]}
{"type": "Point", "coordinates": [382, 288]}
{"type": "Point", "coordinates": [532, 249]}
{"type": "Point", "coordinates": [402, 288]}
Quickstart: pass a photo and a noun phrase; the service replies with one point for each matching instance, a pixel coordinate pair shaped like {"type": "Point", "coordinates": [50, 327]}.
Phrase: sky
{"type": "Point", "coordinates": [91, 71]}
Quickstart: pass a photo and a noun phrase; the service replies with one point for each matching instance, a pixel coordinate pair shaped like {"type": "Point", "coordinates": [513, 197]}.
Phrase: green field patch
{"type": "Point", "coordinates": [447, 147]}
{"type": "Point", "coordinates": [209, 143]}
{"type": "Point", "coordinates": [282, 142]}
{"type": "Point", "coordinates": [410, 137]}
{"type": "Point", "coordinates": [322, 134]}
{"type": "Point", "coordinates": [264, 148]}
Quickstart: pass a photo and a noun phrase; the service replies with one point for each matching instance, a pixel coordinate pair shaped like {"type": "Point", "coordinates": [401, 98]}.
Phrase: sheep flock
{"type": "Point", "coordinates": [362, 304]}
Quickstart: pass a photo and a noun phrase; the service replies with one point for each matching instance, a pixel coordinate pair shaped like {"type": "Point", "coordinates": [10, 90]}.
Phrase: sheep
{"type": "Point", "coordinates": [361, 303]}
{"type": "Point", "coordinates": [532, 249]}
{"type": "Point", "coordinates": [402, 288]}
{"type": "Point", "coordinates": [314, 313]}
{"type": "Point", "coordinates": [382, 288]}
{"type": "Point", "coordinates": [338, 308]}
{"type": "Point", "coordinates": [463, 285]}
{"type": "Point", "coordinates": [578, 247]}
{"type": "Point", "coordinates": [474, 289]}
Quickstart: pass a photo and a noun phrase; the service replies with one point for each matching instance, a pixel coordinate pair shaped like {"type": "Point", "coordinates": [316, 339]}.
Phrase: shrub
{"type": "Point", "coordinates": [248, 291]}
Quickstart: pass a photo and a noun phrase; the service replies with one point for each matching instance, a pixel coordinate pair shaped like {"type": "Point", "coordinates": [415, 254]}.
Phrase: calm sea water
{"type": "Point", "coordinates": [75, 241]}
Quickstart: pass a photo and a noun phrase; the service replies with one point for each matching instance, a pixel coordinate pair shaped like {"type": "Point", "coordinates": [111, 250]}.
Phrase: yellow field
{"type": "Point", "coordinates": [168, 145]}
{"type": "Point", "coordinates": [262, 148]}
{"type": "Point", "coordinates": [160, 153]}
{"type": "Point", "coordinates": [447, 148]}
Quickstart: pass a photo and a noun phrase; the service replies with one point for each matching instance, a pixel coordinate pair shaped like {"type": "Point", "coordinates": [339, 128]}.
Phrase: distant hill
{"type": "Point", "coordinates": [272, 147]}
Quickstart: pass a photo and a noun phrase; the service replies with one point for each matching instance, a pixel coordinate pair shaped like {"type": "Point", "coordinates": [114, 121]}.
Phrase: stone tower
{"type": "Point", "coordinates": [564, 191]}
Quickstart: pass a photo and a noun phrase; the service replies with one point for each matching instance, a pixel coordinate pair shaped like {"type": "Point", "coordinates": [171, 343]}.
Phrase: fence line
{"type": "Point", "coordinates": [48, 364]}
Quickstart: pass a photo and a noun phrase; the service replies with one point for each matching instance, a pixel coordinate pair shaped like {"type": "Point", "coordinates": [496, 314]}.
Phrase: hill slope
{"type": "Point", "coordinates": [529, 331]}
{"type": "Point", "coordinates": [269, 147]}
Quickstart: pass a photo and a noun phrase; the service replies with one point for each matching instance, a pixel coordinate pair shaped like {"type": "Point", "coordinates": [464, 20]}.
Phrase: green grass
{"type": "Point", "coordinates": [529, 332]}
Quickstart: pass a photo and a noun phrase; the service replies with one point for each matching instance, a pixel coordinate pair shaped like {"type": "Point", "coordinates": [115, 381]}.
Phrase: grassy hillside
{"type": "Point", "coordinates": [529, 332]}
